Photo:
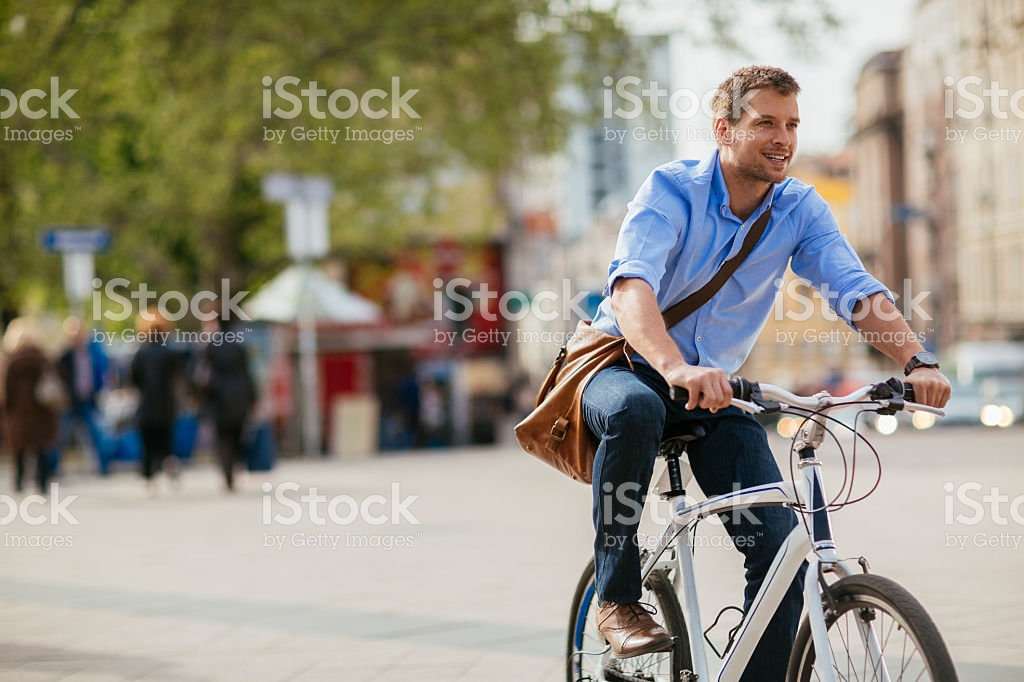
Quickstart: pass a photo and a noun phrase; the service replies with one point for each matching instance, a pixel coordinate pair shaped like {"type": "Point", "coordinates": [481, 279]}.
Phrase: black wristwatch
{"type": "Point", "coordinates": [922, 359]}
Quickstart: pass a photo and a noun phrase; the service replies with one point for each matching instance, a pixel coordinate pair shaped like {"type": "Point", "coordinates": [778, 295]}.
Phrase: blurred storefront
{"type": "Point", "coordinates": [437, 368]}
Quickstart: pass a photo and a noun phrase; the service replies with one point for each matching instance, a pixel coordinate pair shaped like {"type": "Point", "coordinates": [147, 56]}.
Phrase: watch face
{"type": "Point", "coordinates": [926, 358]}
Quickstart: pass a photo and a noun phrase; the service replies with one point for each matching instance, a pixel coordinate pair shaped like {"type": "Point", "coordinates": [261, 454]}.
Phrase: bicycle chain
{"type": "Point", "coordinates": [615, 674]}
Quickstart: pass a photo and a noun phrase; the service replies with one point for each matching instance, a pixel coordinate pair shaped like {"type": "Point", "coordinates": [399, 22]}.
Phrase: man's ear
{"type": "Point", "coordinates": [723, 132]}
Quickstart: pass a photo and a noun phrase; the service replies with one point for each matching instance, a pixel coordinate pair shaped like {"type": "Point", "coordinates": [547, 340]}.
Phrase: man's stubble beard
{"type": "Point", "coordinates": [758, 173]}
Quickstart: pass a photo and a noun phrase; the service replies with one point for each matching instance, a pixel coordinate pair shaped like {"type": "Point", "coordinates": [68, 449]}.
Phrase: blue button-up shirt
{"type": "Point", "coordinates": [679, 230]}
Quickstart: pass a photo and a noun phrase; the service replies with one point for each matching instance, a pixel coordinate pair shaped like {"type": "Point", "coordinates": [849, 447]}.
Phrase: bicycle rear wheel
{"type": "Point", "coordinates": [589, 659]}
{"type": "Point", "coordinates": [868, 609]}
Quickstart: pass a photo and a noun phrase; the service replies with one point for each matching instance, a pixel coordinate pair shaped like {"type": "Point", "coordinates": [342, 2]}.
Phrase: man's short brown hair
{"type": "Point", "coordinates": [729, 101]}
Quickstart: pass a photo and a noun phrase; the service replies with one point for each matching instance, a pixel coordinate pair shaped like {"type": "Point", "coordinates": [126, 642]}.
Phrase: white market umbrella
{"type": "Point", "coordinates": [280, 299]}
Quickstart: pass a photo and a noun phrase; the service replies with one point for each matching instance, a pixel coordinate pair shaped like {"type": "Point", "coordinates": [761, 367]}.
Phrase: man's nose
{"type": "Point", "coordinates": [784, 137]}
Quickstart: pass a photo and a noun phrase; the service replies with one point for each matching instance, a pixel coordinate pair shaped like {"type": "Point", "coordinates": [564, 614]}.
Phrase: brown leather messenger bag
{"type": "Point", "coordinates": [554, 432]}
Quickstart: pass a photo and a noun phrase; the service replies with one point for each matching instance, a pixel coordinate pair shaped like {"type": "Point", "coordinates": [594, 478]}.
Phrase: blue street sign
{"type": "Point", "coordinates": [75, 240]}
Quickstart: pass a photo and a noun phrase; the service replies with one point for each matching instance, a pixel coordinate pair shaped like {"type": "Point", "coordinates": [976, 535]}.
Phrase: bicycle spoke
{"type": "Point", "coordinates": [879, 665]}
{"type": "Point", "coordinates": [868, 655]}
{"type": "Point", "coordinates": [903, 660]}
{"type": "Point", "coordinates": [885, 644]}
{"type": "Point", "coordinates": [846, 645]}
{"type": "Point", "coordinates": [847, 641]}
{"type": "Point", "coordinates": [867, 630]}
{"type": "Point", "coordinates": [849, 660]}
{"type": "Point", "coordinates": [914, 651]}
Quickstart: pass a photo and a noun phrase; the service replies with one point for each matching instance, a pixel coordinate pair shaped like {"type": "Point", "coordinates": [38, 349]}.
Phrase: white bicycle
{"type": "Point", "coordinates": [857, 625]}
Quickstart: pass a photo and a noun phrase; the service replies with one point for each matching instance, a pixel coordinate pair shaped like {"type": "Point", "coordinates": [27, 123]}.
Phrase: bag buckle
{"type": "Point", "coordinates": [559, 429]}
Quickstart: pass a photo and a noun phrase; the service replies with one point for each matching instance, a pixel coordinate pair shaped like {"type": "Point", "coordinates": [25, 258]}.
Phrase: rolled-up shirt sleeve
{"type": "Point", "coordinates": [646, 237]}
{"type": "Point", "coordinates": [825, 258]}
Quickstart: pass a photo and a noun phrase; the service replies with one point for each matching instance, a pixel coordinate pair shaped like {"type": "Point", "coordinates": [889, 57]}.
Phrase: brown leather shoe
{"type": "Point", "coordinates": [630, 630]}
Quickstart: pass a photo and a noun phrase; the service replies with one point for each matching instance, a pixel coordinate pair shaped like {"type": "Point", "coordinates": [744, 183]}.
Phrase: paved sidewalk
{"type": "Point", "coordinates": [191, 586]}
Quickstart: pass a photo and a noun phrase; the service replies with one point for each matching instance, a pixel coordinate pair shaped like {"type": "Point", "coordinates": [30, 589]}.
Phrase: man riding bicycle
{"type": "Point", "coordinates": [685, 221]}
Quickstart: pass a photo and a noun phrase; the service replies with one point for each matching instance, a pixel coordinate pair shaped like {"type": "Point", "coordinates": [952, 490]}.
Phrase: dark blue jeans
{"type": "Point", "coordinates": [629, 411]}
{"type": "Point", "coordinates": [85, 413]}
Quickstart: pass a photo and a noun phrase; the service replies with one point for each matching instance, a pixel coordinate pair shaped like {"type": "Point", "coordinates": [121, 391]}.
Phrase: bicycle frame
{"type": "Point", "coordinates": [811, 540]}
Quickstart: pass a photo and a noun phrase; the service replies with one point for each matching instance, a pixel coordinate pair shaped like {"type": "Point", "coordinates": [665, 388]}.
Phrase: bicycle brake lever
{"type": "Point", "coordinates": [894, 404]}
{"type": "Point", "coordinates": [748, 406]}
{"type": "Point", "coordinates": [767, 406]}
{"type": "Point", "coordinates": [921, 407]}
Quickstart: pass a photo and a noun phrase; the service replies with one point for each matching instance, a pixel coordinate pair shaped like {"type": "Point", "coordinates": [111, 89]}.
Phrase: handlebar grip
{"type": "Point", "coordinates": [901, 387]}
{"type": "Point", "coordinates": [741, 390]}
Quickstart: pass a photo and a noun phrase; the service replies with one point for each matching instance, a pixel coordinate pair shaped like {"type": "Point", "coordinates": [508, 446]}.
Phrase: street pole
{"type": "Point", "coordinates": [308, 370]}
{"type": "Point", "coordinates": [79, 269]}
{"type": "Point", "coordinates": [306, 200]}
{"type": "Point", "coordinates": [77, 245]}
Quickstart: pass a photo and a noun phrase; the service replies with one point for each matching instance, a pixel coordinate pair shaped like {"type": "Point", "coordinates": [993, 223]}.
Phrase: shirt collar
{"type": "Point", "coordinates": [720, 193]}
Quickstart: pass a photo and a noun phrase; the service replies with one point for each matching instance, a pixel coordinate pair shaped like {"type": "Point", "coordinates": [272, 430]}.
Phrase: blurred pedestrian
{"type": "Point", "coordinates": [33, 396]}
{"type": "Point", "coordinates": [83, 367]}
{"type": "Point", "coordinates": [228, 392]}
{"type": "Point", "coordinates": [408, 398]}
{"type": "Point", "coordinates": [154, 371]}
{"type": "Point", "coordinates": [433, 415]}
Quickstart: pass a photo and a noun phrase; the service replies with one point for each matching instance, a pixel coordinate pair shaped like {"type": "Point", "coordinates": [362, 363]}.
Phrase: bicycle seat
{"type": "Point", "coordinates": [675, 438]}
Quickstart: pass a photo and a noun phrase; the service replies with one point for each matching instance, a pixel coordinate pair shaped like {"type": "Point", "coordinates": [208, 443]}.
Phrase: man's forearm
{"type": "Point", "coordinates": [885, 329]}
{"type": "Point", "coordinates": [883, 326]}
{"type": "Point", "coordinates": [639, 320]}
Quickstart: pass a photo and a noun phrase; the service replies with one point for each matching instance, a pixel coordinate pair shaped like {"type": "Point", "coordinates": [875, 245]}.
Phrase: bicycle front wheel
{"type": "Point", "coordinates": [876, 631]}
{"type": "Point", "coordinates": [589, 659]}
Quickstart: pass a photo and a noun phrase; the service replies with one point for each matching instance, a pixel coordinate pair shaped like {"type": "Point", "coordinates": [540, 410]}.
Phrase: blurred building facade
{"type": "Point", "coordinates": [566, 209]}
{"type": "Point", "coordinates": [938, 166]}
{"type": "Point", "coordinates": [878, 170]}
{"type": "Point", "coordinates": [989, 164]}
{"type": "Point", "coordinates": [929, 209]}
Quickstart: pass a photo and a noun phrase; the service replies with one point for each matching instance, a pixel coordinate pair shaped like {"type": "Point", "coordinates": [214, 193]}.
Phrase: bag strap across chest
{"type": "Point", "coordinates": [680, 311]}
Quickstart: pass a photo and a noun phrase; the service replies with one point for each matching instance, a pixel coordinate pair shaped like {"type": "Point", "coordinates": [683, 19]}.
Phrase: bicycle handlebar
{"type": "Point", "coordinates": [741, 389]}
{"type": "Point", "coordinates": [892, 395]}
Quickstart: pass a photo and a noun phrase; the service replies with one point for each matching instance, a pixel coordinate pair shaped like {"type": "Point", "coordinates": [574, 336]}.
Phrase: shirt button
{"type": "Point", "coordinates": [698, 338]}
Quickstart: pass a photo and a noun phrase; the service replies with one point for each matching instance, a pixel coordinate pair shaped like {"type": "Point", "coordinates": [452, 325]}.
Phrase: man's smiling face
{"type": "Point", "coordinates": [761, 147]}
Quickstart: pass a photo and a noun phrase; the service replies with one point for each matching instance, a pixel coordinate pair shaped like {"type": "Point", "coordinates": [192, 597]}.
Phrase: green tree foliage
{"type": "Point", "coordinates": [169, 146]}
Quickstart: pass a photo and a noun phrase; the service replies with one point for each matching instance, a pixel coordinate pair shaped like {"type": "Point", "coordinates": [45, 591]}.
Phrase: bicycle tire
{"type": "Point", "coordinates": [583, 637]}
{"type": "Point", "coordinates": [862, 597]}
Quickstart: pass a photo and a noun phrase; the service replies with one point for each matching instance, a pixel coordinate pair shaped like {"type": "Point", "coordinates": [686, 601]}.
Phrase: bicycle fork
{"type": "Point", "coordinates": [825, 556]}
{"type": "Point", "coordinates": [816, 612]}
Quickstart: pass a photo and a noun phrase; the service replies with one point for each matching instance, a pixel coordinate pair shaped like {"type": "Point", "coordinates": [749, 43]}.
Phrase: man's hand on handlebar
{"type": "Point", "coordinates": [930, 386]}
{"type": "Point", "coordinates": [708, 387]}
